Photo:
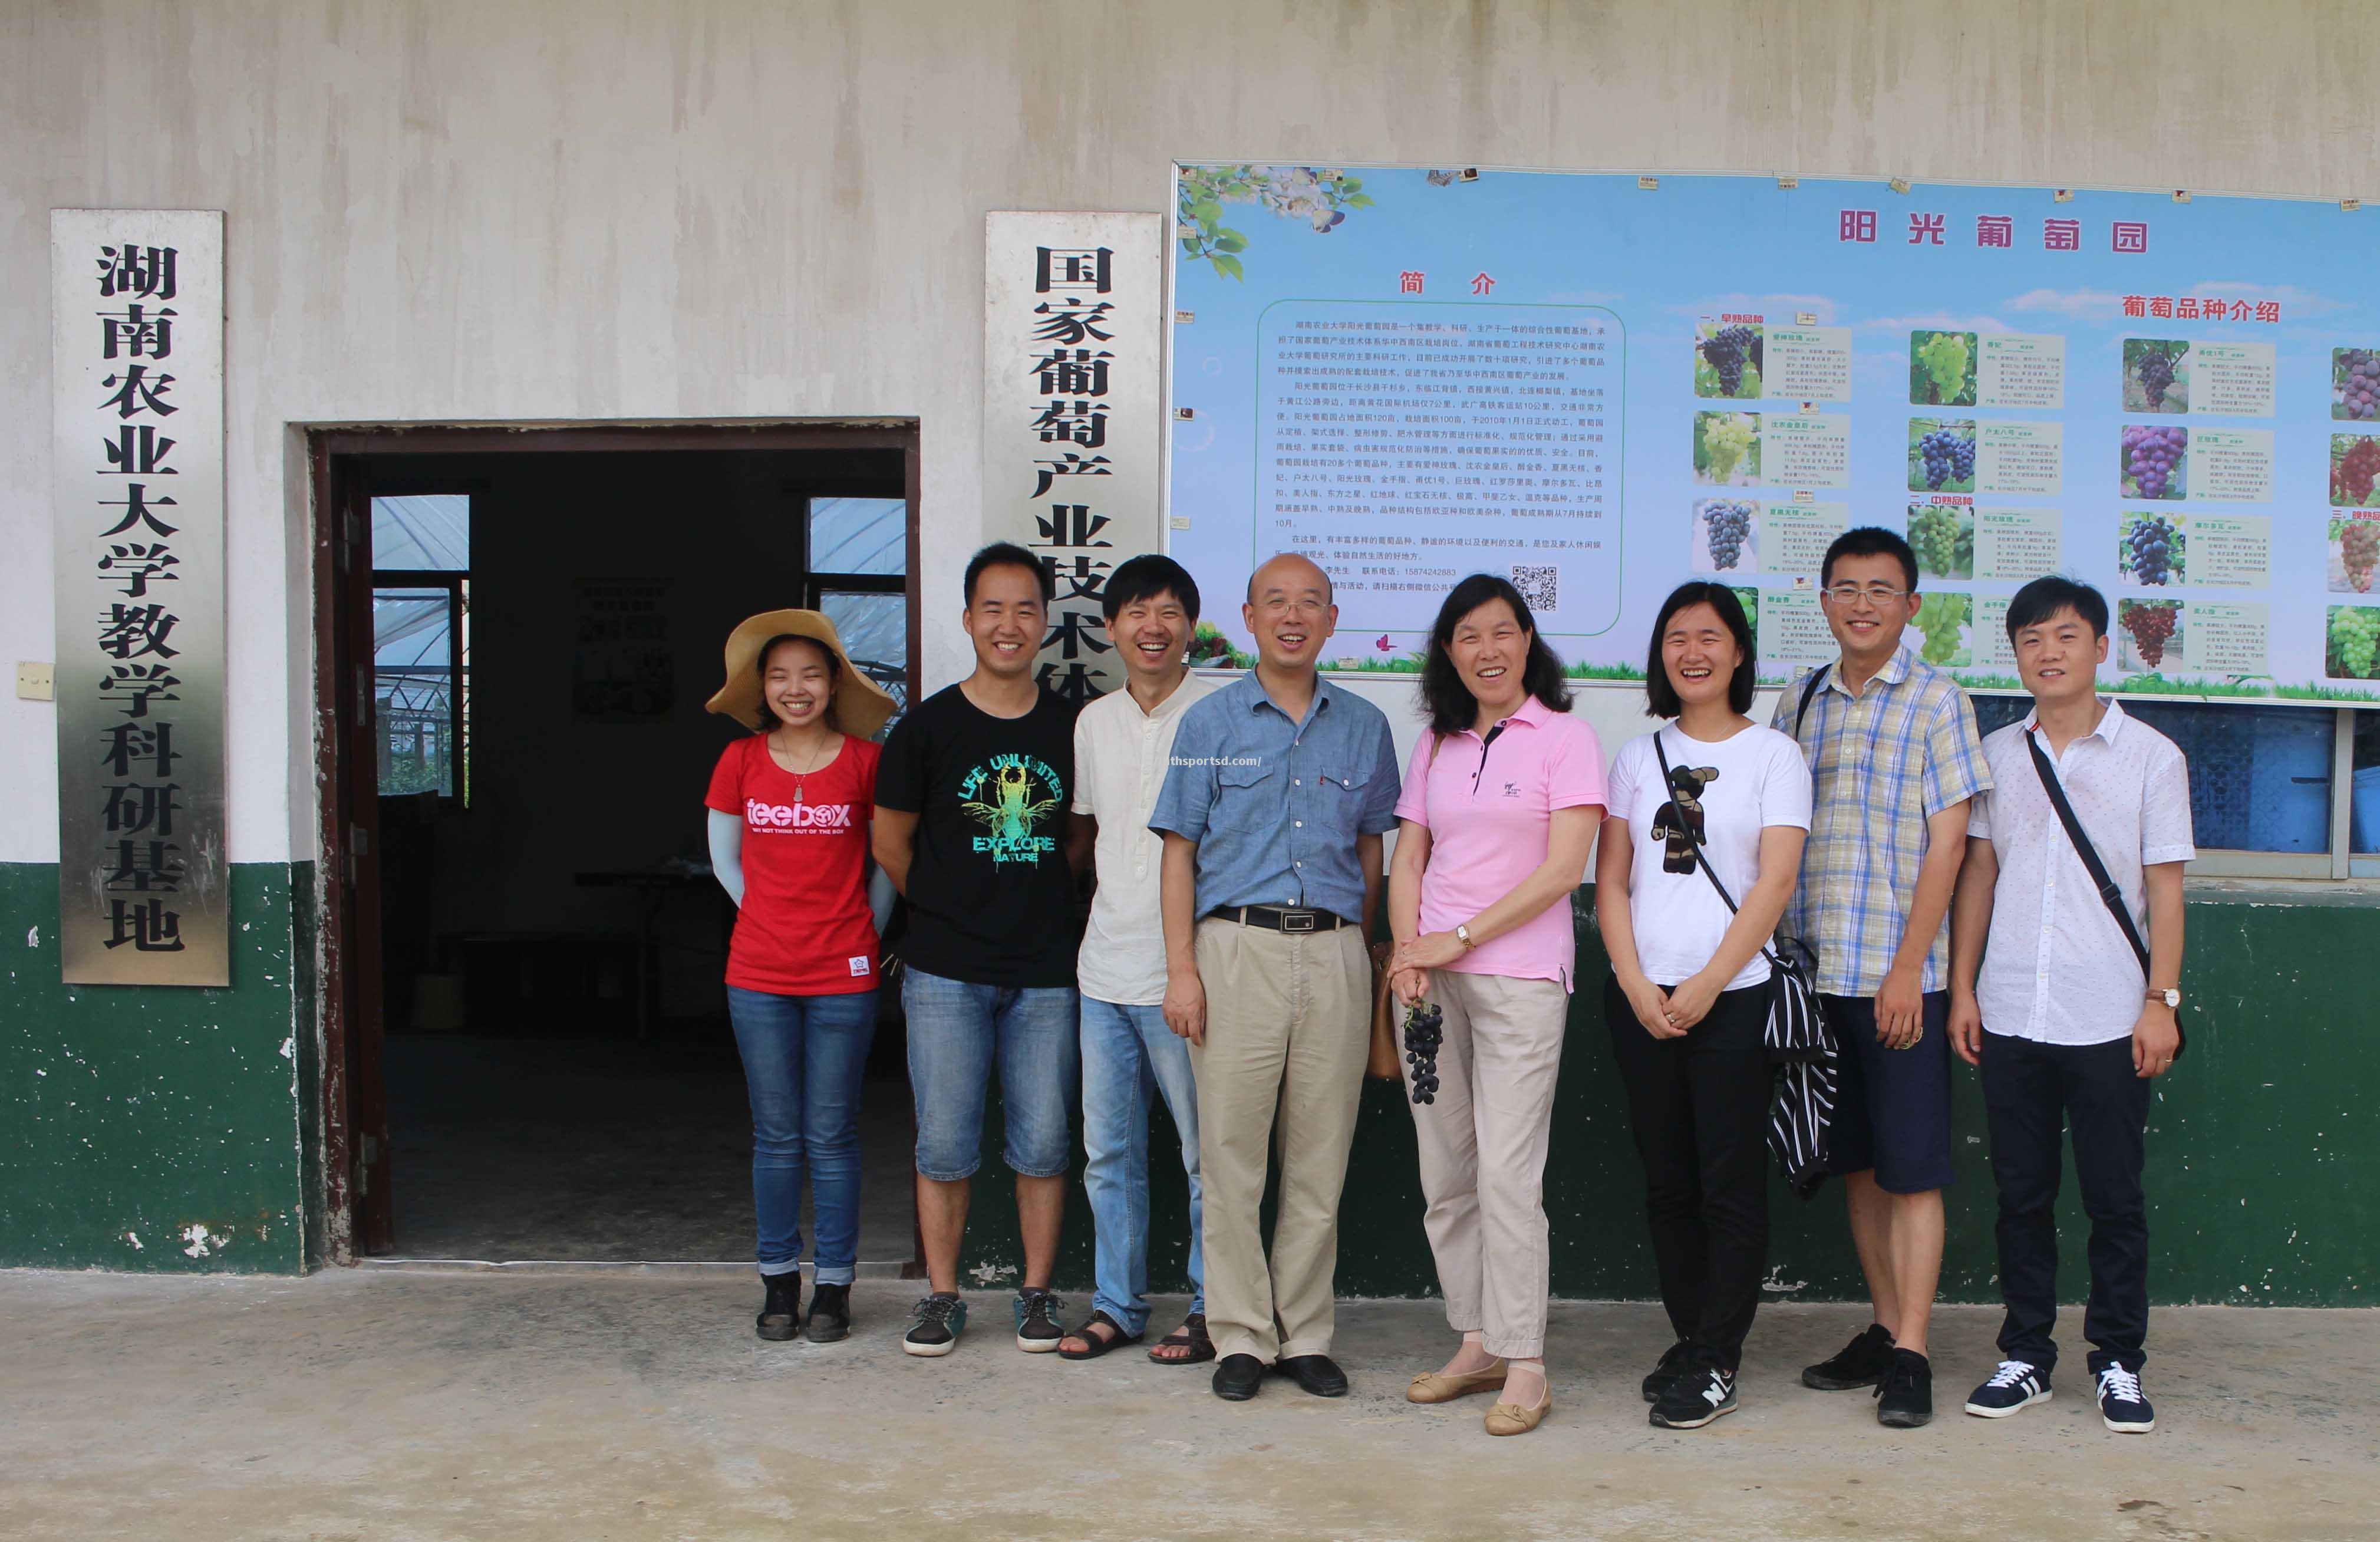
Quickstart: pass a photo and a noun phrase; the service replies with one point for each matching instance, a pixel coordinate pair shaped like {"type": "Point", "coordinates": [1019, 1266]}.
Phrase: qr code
{"type": "Point", "coordinates": [1541, 586]}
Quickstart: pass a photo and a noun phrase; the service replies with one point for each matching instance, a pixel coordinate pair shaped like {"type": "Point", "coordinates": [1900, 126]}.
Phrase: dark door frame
{"type": "Point", "coordinates": [353, 1108]}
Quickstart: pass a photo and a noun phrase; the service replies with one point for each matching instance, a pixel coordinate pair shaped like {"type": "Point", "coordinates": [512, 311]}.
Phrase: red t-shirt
{"type": "Point", "coordinates": [804, 929]}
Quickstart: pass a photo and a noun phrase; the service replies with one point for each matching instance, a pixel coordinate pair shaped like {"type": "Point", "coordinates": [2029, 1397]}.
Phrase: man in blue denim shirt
{"type": "Point", "coordinates": [1279, 790]}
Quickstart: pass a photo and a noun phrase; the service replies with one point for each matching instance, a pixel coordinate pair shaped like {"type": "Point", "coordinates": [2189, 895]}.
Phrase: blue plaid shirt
{"type": "Point", "coordinates": [1880, 764]}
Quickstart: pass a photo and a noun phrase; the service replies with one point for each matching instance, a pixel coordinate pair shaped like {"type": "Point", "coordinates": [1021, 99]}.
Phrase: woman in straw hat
{"type": "Point", "coordinates": [790, 807]}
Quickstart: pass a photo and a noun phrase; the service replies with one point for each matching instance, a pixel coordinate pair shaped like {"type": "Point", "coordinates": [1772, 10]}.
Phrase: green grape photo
{"type": "Point", "coordinates": [1943, 618]}
{"type": "Point", "coordinates": [2152, 550]}
{"type": "Point", "coordinates": [1727, 448]}
{"type": "Point", "coordinates": [1750, 598]}
{"type": "Point", "coordinates": [1941, 455]}
{"type": "Point", "coordinates": [1942, 369]}
{"type": "Point", "coordinates": [2354, 550]}
{"type": "Point", "coordinates": [2156, 374]}
{"type": "Point", "coordinates": [1944, 537]}
{"type": "Point", "coordinates": [2354, 643]}
{"type": "Point", "coordinates": [1728, 359]}
{"type": "Point", "coordinates": [2354, 466]}
{"type": "Point", "coordinates": [2151, 631]}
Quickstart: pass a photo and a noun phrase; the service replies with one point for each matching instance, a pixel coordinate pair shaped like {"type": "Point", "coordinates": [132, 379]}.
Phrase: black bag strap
{"type": "Point", "coordinates": [1695, 841]}
{"type": "Point", "coordinates": [2109, 895]}
{"type": "Point", "coordinates": [1809, 694]}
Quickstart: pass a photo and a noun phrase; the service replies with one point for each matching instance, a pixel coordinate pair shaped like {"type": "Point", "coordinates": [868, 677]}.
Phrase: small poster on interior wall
{"type": "Point", "coordinates": [621, 668]}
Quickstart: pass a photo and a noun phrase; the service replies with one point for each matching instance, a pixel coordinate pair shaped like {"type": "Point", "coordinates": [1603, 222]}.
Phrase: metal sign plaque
{"type": "Point", "coordinates": [137, 383]}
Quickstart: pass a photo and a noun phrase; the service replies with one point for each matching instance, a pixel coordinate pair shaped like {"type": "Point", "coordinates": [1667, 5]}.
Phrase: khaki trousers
{"type": "Point", "coordinates": [1483, 1153]}
{"type": "Point", "coordinates": [1288, 1027]}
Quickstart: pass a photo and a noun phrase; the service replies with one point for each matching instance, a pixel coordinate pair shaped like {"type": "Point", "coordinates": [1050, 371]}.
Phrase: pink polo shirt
{"type": "Point", "coordinates": [1488, 808]}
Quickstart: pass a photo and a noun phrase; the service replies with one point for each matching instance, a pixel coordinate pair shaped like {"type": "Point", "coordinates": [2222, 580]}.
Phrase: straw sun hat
{"type": "Point", "coordinates": [861, 705]}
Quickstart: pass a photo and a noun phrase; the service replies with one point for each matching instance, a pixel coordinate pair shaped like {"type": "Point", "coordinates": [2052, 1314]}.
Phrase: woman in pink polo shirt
{"type": "Point", "coordinates": [1499, 811]}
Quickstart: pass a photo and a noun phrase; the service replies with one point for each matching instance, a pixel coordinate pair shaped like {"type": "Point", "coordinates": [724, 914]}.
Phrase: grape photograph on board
{"type": "Point", "coordinates": [2151, 631]}
{"type": "Point", "coordinates": [1941, 455]}
{"type": "Point", "coordinates": [1727, 448]}
{"type": "Point", "coordinates": [2152, 550]}
{"type": "Point", "coordinates": [1944, 537]}
{"type": "Point", "coordinates": [1728, 532]}
{"type": "Point", "coordinates": [1943, 618]}
{"type": "Point", "coordinates": [2153, 460]}
{"type": "Point", "coordinates": [2352, 643]}
{"type": "Point", "coordinates": [2156, 374]}
{"type": "Point", "coordinates": [1942, 369]}
{"type": "Point", "coordinates": [2354, 549]}
{"type": "Point", "coordinates": [1728, 357]}
{"type": "Point", "coordinates": [2355, 384]}
{"type": "Point", "coordinates": [2355, 463]}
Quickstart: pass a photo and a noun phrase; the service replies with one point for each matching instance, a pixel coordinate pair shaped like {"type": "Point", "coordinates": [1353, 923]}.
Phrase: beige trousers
{"type": "Point", "coordinates": [1288, 1026]}
{"type": "Point", "coordinates": [1483, 1152]}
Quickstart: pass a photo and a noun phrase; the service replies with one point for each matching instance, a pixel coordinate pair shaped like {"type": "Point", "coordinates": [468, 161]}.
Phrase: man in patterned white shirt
{"type": "Point", "coordinates": [2066, 1025]}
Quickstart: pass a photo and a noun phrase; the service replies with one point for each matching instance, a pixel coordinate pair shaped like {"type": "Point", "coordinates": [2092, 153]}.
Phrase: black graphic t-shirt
{"type": "Point", "coordinates": [990, 900]}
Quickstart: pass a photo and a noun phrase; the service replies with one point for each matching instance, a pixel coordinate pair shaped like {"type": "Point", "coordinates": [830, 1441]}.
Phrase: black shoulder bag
{"type": "Point", "coordinates": [2109, 895]}
{"type": "Point", "coordinates": [1809, 694]}
{"type": "Point", "coordinates": [1797, 1026]}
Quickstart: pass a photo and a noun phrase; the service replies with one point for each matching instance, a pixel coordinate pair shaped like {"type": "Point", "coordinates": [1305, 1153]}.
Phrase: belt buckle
{"type": "Point", "coordinates": [1297, 920]}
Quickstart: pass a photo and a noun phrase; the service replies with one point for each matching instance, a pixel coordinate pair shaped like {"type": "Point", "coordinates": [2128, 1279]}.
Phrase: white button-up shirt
{"type": "Point", "coordinates": [1120, 758]}
{"type": "Point", "coordinates": [2057, 968]}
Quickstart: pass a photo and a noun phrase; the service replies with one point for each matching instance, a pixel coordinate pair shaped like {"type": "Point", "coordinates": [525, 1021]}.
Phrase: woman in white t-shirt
{"type": "Point", "coordinates": [1688, 994]}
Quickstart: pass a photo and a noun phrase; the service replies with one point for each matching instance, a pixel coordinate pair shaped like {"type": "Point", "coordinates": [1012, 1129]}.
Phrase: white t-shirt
{"type": "Point", "coordinates": [1120, 758]}
{"type": "Point", "coordinates": [1736, 788]}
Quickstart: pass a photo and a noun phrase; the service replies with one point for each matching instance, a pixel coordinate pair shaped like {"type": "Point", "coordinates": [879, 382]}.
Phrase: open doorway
{"type": "Point", "coordinates": [528, 1048]}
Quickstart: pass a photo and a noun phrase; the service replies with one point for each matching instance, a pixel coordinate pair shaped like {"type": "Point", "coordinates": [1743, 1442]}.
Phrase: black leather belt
{"type": "Point", "coordinates": [1274, 918]}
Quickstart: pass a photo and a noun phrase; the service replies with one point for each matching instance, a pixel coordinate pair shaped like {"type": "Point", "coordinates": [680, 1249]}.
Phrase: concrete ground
{"type": "Point", "coordinates": [403, 1405]}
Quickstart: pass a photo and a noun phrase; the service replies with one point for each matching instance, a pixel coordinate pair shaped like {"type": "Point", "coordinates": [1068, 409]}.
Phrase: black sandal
{"type": "Point", "coordinates": [1100, 1343]}
{"type": "Point", "coordinates": [1193, 1332]}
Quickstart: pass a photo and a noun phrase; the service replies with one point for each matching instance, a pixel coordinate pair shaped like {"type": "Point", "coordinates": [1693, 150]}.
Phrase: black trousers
{"type": "Point", "coordinates": [1699, 1108]}
{"type": "Point", "coordinates": [2030, 1091]}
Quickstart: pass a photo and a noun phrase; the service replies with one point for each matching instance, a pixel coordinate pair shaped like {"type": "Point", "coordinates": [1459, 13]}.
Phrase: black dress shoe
{"type": "Point", "coordinates": [1317, 1374]}
{"type": "Point", "coordinates": [1238, 1377]}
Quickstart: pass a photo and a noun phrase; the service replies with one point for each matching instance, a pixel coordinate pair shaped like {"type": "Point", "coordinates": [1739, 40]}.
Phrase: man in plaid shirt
{"type": "Point", "coordinates": [1894, 758]}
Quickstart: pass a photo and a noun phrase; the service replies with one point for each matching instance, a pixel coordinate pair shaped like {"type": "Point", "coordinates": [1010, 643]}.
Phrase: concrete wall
{"type": "Point", "coordinates": [440, 210]}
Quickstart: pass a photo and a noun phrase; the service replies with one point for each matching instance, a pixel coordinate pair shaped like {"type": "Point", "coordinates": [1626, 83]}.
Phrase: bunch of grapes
{"type": "Point", "coordinates": [1941, 540]}
{"type": "Point", "coordinates": [1727, 437]}
{"type": "Point", "coordinates": [1941, 617]}
{"type": "Point", "coordinates": [2351, 479]}
{"type": "Point", "coordinates": [2150, 626]}
{"type": "Point", "coordinates": [1730, 524]}
{"type": "Point", "coordinates": [2152, 456]}
{"type": "Point", "coordinates": [2359, 549]}
{"type": "Point", "coordinates": [2152, 548]}
{"type": "Point", "coordinates": [1950, 455]}
{"type": "Point", "coordinates": [2157, 373]}
{"type": "Point", "coordinates": [1945, 357]}
{"type": "Point", "coordinates": [2358, 385]}
{"type": "Point", "coordinates": [1726, 352]}
{"type": "Point", "coordinates": [2354, 640]}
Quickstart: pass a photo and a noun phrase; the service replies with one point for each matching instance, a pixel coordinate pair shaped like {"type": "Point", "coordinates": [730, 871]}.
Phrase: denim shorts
{"type": "Point", "coordinates": [957, 1033]}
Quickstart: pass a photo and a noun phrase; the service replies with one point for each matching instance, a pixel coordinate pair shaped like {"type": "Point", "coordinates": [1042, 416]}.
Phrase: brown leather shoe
{"type": "Point", "coordinates": [1431, 1387]}
{"type": "Point", "coordinates": [1508, 1418]}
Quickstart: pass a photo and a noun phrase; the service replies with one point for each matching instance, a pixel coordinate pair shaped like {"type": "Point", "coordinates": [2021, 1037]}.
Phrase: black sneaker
{"type": "Point", "coordinates": [1904, 1399]}
{"type": "Point", "coordinates": [1037, 1322]}
{"type": "Point", "coordinates": [1861, 1362]}
{"type": "Point", "coordinates": [780, 1307]}
{"type": "Point", "coordinates": [2123, 1407]}
{"type": "Point", "coordinates": [2014, 1386]}
{"type": "Point", "coordinates": [1672, 1366]}
{"type": "Point", "coordinates": [935, 1326]}
{"type": "Point", "coordinates": [1694, 1398]}
{"type": "Point", "coordinates": [830, 1315]}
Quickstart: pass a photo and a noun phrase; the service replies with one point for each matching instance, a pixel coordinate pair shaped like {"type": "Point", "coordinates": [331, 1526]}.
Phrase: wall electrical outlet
{"type": "Point", "coordinates": [37, 681]}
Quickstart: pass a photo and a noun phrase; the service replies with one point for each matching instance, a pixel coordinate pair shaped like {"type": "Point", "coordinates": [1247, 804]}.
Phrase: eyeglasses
{"type": "Point", "coordinates": [1874, 594]}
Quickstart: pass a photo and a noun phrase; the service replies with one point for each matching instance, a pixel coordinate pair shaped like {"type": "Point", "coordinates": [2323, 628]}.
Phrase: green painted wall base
{"type": "Point", "coordinates": [2262, 1145]}
{"type": "Point", "coordinates": [156, 1129]}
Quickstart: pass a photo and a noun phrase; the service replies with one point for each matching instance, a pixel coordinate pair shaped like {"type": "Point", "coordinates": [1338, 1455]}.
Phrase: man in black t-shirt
{"type": "Point", "coordinates": [971, 826]}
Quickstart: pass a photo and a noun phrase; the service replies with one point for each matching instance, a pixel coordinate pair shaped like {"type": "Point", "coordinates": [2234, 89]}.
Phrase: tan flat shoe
{"type": "Point", "coordinates": [1511, 1419]}
{"type": "Point", "coordinates": [1430, 1386]}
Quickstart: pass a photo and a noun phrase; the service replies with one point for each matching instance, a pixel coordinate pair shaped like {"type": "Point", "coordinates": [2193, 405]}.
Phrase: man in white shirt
{"type": "Point", "coordinates": [2067, 1026]}
{"type": "Point", "coordinates": [1124, 743]}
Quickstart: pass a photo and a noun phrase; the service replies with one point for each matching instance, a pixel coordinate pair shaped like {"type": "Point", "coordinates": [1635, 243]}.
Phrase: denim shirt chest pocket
{"type": "Point", "coordinates": [1248, 796]}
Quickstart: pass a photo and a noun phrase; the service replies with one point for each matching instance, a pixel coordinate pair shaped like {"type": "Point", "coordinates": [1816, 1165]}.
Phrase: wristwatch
{"type": "Point", "coordinates": [2169, 996]}
{"type": "Point", "coordinates": [1463, 935]}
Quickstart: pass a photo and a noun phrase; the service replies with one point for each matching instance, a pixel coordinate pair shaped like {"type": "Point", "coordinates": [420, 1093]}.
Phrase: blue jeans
{"type": "Point", "coordinates": [803, 1056]}
{"type": "Point", "coordinates": [957, 1032]}
{"type": "Point", "coordinates": [1129, 1054]}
